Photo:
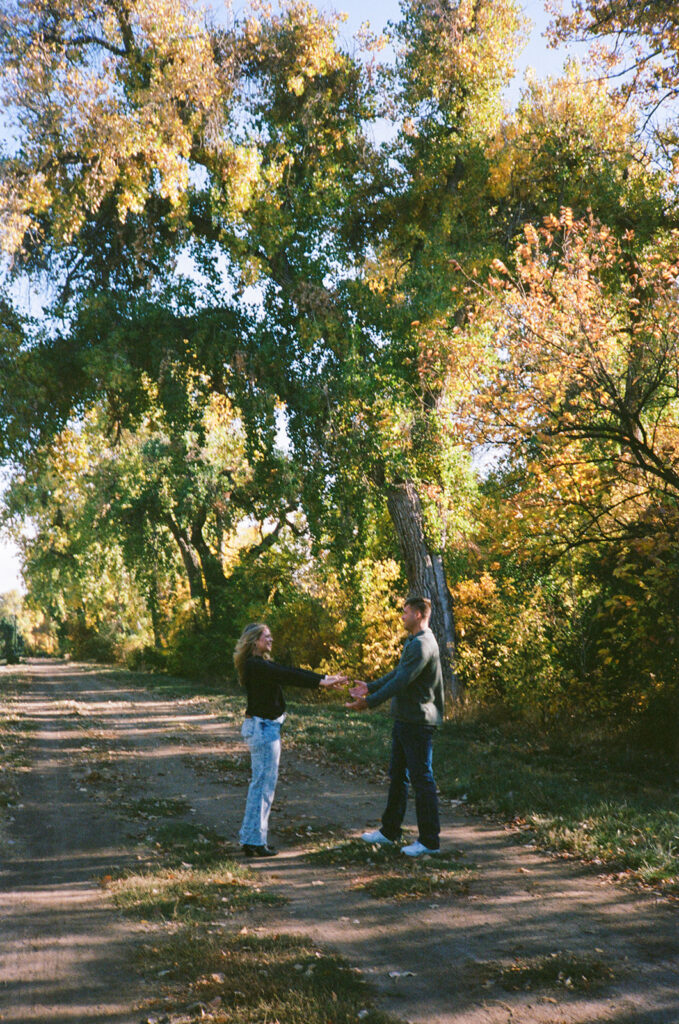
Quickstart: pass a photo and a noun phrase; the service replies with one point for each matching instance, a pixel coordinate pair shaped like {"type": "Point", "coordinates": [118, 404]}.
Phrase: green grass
{"type": "Point", "coordinates": [354, 740]}
{"type": "Point", "coordinates": [172, 687]}
{"type": "Point", "coordinates": [195, 878]}
{"type": "Point", "coordinates": [356, 853]}
{"type": "Point", "coordinates": [250, 979]}
{"type": "Point", "coordinates": [189, 894]}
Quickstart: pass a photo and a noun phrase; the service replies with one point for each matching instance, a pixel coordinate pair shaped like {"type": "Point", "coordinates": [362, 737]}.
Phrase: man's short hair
{"type": "Point", "coordinates": [420, 604]}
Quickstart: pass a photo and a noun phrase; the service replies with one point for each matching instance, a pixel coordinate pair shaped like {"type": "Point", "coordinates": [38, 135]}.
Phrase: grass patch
{"type": "Point", "coordinates": [172, 687]}
{"type": "Point", "coordinates": [186, 736]}
{"type": "Point", "coordinates": [158, 807]}
{"type": "Point", "coordinates": [312, 832]}
{"type": "Point", "coordinates": [354, 853]}
{"type": "Point", "coordinates": [189, 895]}
{"type": "Point", "coordinates": [394, 876]}
{"type": "Point", "coordinates": [331, 733]}
{"type": "Point", "coordinates": [15, 737]}
{"type": "Point", "coordinates": [12, 684]}
{"type": "Point", "coordinates": [185, 844]}
{"type": "Point", "coordinates": [561, 970]}
{"type": "Point", "coordinates": [235, 768]}
{"type": "Point", "coordinates": [16, 733]}
{"type": "Point", "coordinates": [431, 882]}
{"type": "Point", "coordinates": [250, 979]}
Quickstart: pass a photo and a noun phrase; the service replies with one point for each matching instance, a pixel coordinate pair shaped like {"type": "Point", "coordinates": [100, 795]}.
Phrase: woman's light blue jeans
{"type": "Point", "coordinates": [263, 736]}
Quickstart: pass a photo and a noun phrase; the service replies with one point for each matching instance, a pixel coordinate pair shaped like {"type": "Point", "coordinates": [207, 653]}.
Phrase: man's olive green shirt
{"type": "Point", "coordinates": [415, 686]}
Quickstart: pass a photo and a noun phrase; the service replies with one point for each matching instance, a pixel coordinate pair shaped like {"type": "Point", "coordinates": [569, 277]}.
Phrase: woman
{"type": "Point", "coordinates": [262, 679]}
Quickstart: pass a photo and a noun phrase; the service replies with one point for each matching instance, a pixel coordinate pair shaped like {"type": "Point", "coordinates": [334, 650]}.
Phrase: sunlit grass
{"type": "Point", "coordinates": [189, 894]}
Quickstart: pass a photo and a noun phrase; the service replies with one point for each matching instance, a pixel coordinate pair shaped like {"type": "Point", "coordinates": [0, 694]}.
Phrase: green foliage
{"type": "Point", "coordinates": [11, 640]}
{"type": "Point", "coordinates": [571, 143]}
{"type": "Point", "coordinates": [580, 639]}
{"type": "Point", "coordinates": [343, 289]}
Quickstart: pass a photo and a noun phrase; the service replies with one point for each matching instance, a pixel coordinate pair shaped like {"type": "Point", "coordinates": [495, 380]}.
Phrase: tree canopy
{"type": "Point", "coordinates": [324, 326]}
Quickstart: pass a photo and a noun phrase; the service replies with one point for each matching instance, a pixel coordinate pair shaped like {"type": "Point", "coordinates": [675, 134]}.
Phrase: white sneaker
{"type": "Point", "coordinates": [416, 849]}
{"type": "Point", "coordinates": [376, 837]}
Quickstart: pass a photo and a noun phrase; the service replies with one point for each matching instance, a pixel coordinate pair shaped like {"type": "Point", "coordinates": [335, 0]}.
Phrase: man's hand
{"type": "Point", "coordinates": [359, 689]}
{"type": "Point", "coordinates": [357, 705]}
{"type": "Point", "coordinates": [334, 682]}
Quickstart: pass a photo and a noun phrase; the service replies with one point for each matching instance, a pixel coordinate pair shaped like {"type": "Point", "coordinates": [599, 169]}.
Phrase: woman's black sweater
{"type": "Point", "coordinates": [263, 682]}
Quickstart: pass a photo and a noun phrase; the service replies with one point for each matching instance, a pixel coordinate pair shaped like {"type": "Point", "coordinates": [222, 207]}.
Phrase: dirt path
{"type": "Point", "coordinates": [64, 952]}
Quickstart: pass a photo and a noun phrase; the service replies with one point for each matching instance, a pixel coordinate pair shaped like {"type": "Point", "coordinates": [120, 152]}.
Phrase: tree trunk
{"type": "Point", "coordinates": [191, 562]}
{"type": "Point", "coordinates": [425, 572]}
{"type": "Point", "coordinates": [154, 609]}
{"type": "Point", "coordinates": [213, 573]}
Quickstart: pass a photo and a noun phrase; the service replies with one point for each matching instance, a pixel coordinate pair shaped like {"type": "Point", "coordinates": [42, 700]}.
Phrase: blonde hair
{"type": "Point", "coordinates": [245, 647]}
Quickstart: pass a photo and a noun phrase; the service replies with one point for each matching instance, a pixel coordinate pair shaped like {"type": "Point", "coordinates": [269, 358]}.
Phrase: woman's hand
{"type": "Point", "coordinates": [359, 689]}
{"type": "Point", "coordinates": [334, 682]}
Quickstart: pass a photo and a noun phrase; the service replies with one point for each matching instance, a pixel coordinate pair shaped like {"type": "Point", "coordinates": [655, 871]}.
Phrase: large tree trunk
{"type": "Point", "coordinates": [425, 572]}
{"type": "Point", "coordinates": [191, 562]}
{"type": "Point", "coordinates": [213, 573]}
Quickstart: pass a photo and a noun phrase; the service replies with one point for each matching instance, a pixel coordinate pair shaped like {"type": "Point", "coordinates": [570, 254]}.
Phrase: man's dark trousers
{"type": "Point", "coordinates": [411, 760]}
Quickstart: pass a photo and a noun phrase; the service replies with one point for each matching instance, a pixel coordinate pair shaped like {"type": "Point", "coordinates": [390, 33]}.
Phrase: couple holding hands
{"type": "Point", "coordinates": [415, 688]}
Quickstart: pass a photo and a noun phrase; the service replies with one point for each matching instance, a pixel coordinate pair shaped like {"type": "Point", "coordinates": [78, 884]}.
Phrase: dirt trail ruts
{"type": "Point", "coordinates": [64, 952]}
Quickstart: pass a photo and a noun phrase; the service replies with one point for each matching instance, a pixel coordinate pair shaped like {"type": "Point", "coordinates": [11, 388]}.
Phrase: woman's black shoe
{"type": "Point", "coordinates": [259, 851]}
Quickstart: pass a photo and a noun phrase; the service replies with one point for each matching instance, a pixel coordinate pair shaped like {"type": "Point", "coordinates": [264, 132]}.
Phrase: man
{"type": "Point", "coordinates": [415, 687]}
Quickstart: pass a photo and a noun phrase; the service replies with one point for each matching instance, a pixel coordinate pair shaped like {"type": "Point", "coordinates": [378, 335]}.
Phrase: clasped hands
{"type": "Point", "coordinates": [359, 691]}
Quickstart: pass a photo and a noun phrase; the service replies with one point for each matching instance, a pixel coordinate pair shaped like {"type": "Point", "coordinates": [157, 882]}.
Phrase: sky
{"type": "Point", "coordinates": [536, 55]}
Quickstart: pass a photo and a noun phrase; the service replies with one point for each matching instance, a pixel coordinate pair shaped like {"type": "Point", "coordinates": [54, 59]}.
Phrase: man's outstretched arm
{"type": "Point", "coordinates": [411, 665]}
